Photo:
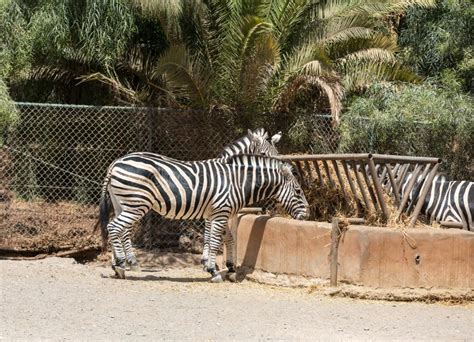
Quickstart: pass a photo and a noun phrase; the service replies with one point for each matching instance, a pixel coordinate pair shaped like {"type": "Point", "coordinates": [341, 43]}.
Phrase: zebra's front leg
{"type": "Point", "coordinates": [205, 249]}
{"type": "Point", "coordinates": [229, 247]}
{"type": "Point", "coordinates": [215, 238]}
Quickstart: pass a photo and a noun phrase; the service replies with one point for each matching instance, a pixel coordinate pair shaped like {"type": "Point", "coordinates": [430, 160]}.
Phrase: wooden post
{"type": "Point", "coordinates": [396, 190]}
{"type": "Point", "coordinates": [378, 189]}
{"type": "Point", "coordinates": [407, 190]}
{"type": "Point", "coordinates": [335, 235]}
{"type": "Point", "coordinates": [421, 198]}
{"type": "Point", "coordinates": [361, 186]}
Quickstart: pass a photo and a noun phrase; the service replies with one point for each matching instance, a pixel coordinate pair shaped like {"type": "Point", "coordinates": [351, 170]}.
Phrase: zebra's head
{"type": "Point", "coordinates": [290, 194]}
{"type": "Point", "coordinates": [260, 145]}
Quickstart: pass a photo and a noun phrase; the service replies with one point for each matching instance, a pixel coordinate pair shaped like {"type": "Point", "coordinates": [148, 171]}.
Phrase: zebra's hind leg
{"type": "Point", "coordinates": [131, 259]}
{"type": "Point", "coordinates": [118, 265]}
{"type": "Point", "coordinates": [117, 229]}
{"type": "Point", "coordinates": [115, 239]}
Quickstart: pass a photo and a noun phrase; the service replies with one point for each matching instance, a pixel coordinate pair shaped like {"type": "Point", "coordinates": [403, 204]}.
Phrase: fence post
{"type": "Point", "coordinates": [150, 143]}
{"type": "Point", "coordinates": [335, 236]}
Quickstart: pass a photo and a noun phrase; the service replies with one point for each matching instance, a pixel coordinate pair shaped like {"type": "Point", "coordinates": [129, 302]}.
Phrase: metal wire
{"type": "Point", "coordinates": [55, 157]}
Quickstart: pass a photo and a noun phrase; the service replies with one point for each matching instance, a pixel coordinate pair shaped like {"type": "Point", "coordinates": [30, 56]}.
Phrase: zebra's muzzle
{"type": "Point", "coordinates": [302, 216]}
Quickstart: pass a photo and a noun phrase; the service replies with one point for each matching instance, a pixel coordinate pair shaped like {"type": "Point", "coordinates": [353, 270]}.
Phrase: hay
{"type": "Point", "coordinates": [327, 202]}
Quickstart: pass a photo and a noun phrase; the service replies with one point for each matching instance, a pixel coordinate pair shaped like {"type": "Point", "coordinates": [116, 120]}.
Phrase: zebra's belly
{"type": "Point", "coordinates": [190, 214]}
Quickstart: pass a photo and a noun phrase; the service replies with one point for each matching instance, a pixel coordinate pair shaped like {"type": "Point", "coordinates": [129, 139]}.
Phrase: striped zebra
{"type": "Point", "coordinates": [213, 189]}
{"type": "Point", "coordinates": [451, 201]}
{"type": "Point", "coordinates": [255, 142]}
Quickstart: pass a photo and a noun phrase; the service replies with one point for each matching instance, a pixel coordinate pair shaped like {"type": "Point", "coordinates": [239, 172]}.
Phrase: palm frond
{"type": "Point", "coordinates": [329, 85]}
{"type": "Point", "coordinates": [113, 81]}
{"type": "Point", "coordinates": [184, 77]}
{"type": "Point", "coordinates": [339, 50]}
{"type": "Point", "coordinates": [256, 71]}
{"type": "Point", "coordinates": [358, 75]}
{"type": "Point", "coordinates": [371, 55]}
{"type": "Point", "coordinates": [285, 15]}
{"type": "Point", "coordinates": [308, 57]}
{"type": "Point", "coordinates": [372, 8]}
{"type": "Point", "coordinates": [252, 28]}
{"type": "Point", "coordinates": [54, 74]}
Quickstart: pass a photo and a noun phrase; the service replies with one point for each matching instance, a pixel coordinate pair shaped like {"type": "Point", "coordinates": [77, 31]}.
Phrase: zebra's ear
{"type": "Point", "coordinates": [252, 136]}
{"type": "Point", "coordinates": [256, 136]}
{"type": "Point", "coordinates": [276, 138]}
{"type": "Point", "coordinates": [286, 171]}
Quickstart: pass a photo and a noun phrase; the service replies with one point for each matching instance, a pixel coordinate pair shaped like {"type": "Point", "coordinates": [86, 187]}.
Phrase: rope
{"type": "Point", "coordinates": [52, 165]}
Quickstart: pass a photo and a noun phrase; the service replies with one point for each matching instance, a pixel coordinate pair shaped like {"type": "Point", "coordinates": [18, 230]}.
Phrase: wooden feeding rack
{"type": "Point", "coordinates": [369, 174]}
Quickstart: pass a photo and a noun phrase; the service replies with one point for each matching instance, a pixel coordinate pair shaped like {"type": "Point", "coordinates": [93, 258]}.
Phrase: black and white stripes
{"type": "Point", "coordinates": [253, 143]}
{"type": "Point", "coordinates": [213, 189]}
{"type": "Point", "coordinates": [451, 201]}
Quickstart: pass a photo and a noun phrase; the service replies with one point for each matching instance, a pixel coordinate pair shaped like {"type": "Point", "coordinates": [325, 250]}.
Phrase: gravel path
{"type": "Point", "coordinates": [58, 300]}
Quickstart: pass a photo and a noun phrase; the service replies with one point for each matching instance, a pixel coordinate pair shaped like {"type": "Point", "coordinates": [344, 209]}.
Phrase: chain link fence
{"type": "Point", "coordinates": [54, 159]}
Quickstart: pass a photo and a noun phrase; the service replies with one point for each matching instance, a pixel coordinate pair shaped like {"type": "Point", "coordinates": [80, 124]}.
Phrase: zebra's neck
{"type": "Point", "coordinates": [240, 146]}
{"type": "Point", "coordinates": [254, 178]}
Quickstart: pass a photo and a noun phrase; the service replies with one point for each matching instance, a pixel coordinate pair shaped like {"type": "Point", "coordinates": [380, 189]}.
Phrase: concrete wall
{"type": "Point", "coordinates": [379, 257]}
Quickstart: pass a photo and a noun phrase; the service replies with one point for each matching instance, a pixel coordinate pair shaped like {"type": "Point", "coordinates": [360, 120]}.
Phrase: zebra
{"type": "Point", "coordinates": [451, 201]}
{"type": "Point", "coordinates": [214, 189]}
{"type": "Point", "coordinates": [255, 142]}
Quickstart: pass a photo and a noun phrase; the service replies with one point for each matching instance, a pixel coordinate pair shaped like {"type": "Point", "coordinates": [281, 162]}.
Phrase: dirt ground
{"type": "Point", "coordinates": [58, 299]}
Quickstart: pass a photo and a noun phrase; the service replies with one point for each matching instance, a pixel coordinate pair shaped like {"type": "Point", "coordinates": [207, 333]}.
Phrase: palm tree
{"type": "Point", "coordinates": [246, 56]}
{"type": "Point", "coordinates": [260, 55]}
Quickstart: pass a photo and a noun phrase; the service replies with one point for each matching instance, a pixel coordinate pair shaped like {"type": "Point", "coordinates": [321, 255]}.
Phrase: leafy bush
{"type": "Point", "coordinates": [15, 43]}
{"type": "Point", "coordinates": [7, 110]}
{"type": "Point", "coordinates": [413, 120]}
{"type": "Point", "coordinates": [438, 41]}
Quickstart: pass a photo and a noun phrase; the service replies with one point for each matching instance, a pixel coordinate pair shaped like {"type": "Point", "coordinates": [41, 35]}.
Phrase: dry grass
{"type": "Point", "coordinates": [47, 227]}
{"type": "Point", "coordinates": [328, 201]}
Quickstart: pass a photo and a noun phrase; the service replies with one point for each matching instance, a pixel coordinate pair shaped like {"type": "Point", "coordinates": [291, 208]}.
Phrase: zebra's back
{"type": "Point", "coordinates": [174, 188]}
{"type": "Point", "coordinates": [451, 201]}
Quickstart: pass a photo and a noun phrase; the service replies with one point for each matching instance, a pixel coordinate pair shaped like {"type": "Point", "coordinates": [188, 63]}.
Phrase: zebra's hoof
{"type": "Point", "coordinates": [119, 272]}
{"type": "Point", "coordinates": [135, 267]}
{"type": "Point", "coordinates": [217, 278]}
{"type": "Point", "coordinates": [231, 276]}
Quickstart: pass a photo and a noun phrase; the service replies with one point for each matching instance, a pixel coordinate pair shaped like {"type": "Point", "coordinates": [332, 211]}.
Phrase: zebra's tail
{"type": "Point", "coordinates": [105, 207]}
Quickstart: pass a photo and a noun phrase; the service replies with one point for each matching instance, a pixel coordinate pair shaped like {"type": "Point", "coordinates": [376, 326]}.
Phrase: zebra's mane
{"type": "Point", "coordinates": [228, 147]}
{"type": "Point", "coordinates": [241, 157]}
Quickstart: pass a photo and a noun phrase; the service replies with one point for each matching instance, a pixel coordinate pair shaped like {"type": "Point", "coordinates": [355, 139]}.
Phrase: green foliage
{"type": "Point", "coordinates": [15, 43]}
{"type": "Point", "coordinates": [87, 31]}
{"type": "Point", "coordinates": [255, 56]}
{"type": "Point", "coordinates": [439, 42]}
{"type": "Point", "coordinates": [413, 120]}
{"type": "Point", "coordinates": [8, 112]}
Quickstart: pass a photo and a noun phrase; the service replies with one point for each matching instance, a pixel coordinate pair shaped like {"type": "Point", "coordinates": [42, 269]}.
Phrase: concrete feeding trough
{"type": "Point", "coordinates": [371, 256]}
